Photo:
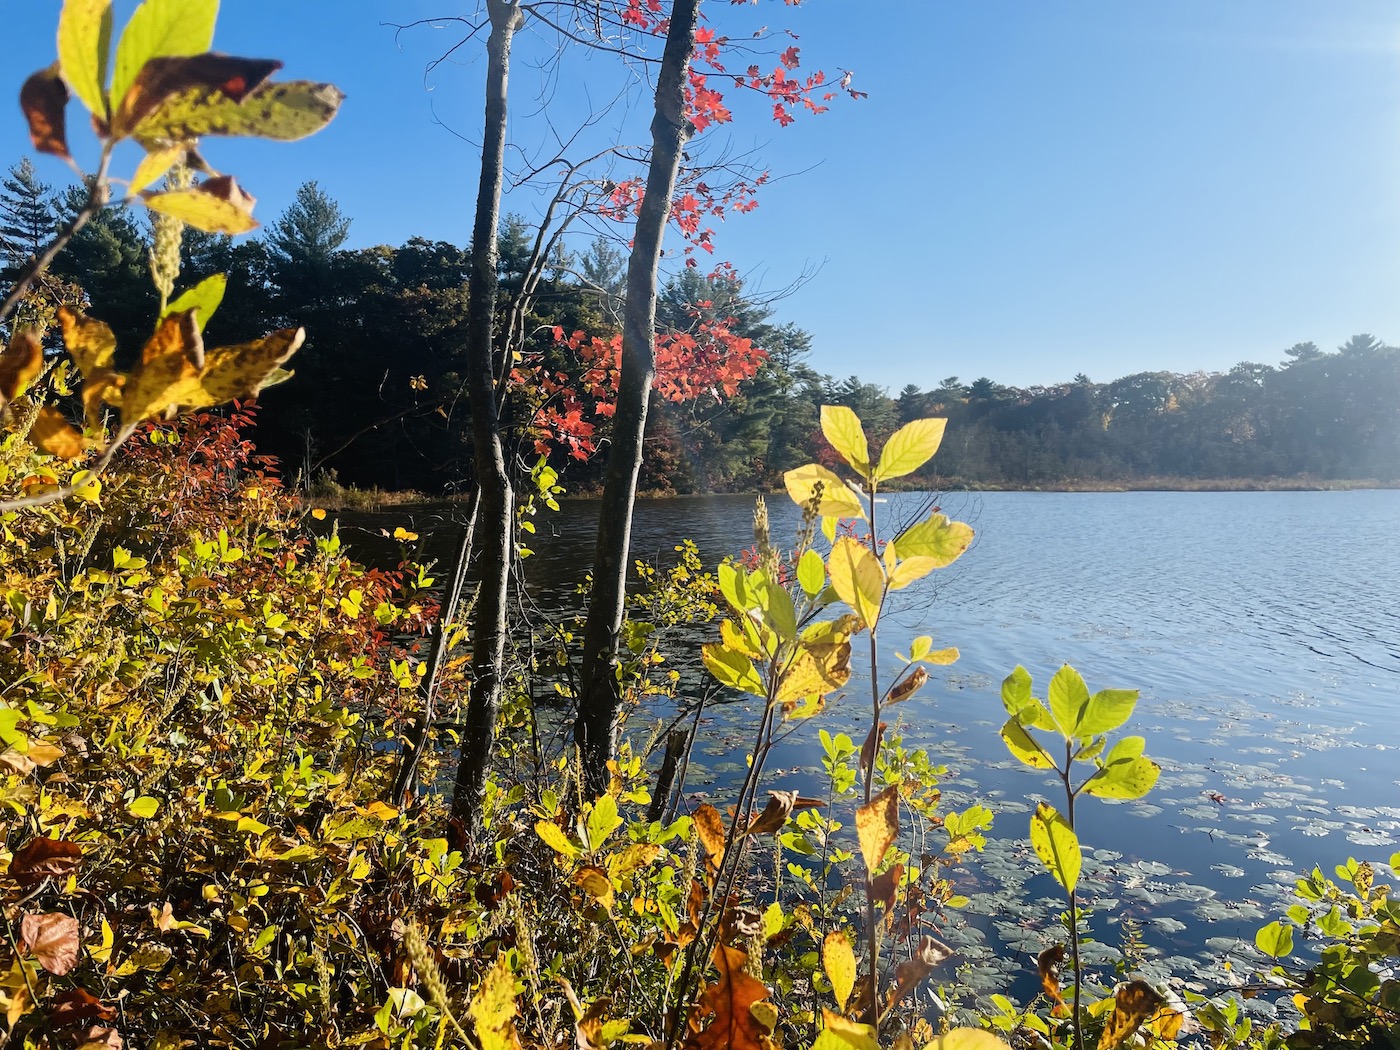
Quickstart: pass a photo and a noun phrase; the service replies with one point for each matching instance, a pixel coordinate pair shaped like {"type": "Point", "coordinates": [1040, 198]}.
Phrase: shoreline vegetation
{"type": "Point", "coordinates": [330, 495]}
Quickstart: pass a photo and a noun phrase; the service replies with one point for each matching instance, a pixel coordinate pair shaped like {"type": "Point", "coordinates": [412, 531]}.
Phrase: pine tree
{"type": "Point", "coordinates": [27, 216]}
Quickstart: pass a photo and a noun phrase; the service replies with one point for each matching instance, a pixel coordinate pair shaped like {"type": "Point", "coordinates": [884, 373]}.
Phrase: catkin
{"type": "Point", "coordinates": [166, 232]}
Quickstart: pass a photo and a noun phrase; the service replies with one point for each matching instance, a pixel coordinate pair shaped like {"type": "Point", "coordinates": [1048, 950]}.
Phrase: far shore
{"type": "Point", "coordinates": [351, 498]}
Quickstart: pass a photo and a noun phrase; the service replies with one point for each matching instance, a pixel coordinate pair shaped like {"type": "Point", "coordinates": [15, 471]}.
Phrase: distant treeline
{"type": "Point", "coordinates": [376, 400]}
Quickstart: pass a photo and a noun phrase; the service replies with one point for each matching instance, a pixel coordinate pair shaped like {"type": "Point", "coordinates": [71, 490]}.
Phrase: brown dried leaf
{"type": "Point", "coordinates": [908, 974]}
{"type": "Point", "coordinates": [52, 938]}
{"type": "Point", "coordinates": [44, 99]}
{"type": "Point", "coordinates": [1133, 1003]}
{"type": "Point", "coordinates": [1048, 963]}
{"type": "Point", "coordinates": [908, 687]}
{"type": "Point", "coordinates": [78, 1004]}
{"type": "Point", "coordinates": [877, 825]}
{"type": "Point", "coordinates": [43, 857]}
{"type": "Point", "coordinates": [162, 79]}
{"type": "Point", "coordinates": [774, 815]}
{"type": "Point", "coordinates": [55, 435]}
{"type": "Point", "coordinates": [870, 746]}
{"type": "Point", "coordinates": [20, 364]}
{"type": "Point", "coordinates": [883, 888]}
{"type": "Point", "coordinates": [727, 1005]}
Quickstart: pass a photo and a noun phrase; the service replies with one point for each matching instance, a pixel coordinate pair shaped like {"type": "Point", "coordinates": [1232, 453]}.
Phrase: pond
{"type": "Point", "coordinates": [1262, 628]}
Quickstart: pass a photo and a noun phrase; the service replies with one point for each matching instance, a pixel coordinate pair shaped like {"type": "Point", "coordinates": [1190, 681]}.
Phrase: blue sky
{"type": "Point", "coordinates": [1031, 189]}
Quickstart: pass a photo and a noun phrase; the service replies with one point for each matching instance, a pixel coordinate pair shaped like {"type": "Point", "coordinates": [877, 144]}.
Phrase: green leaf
{"type": "Point", "coordinates": [144, 808]}
{"type": "Point", "coordinates": [837, 499]}
{"type": "Point", "coordinates": [732, 669]}
{"type": "Point", "coordinates": [1024, 746]}
{"type": "Point", "coordinates": [84, 45]}
{"type": "Point", "coordinates": [843, 430]}
{"type": "Point", "coordinates": [1016, 691]}
{"type": "Point", "coordinates": [1020, 704]}
{"type": "Point", "coordinates": [910, 447]}
{"type": "Point", "coordinates": [1108, 709]}
{"type": "Point", "coordinates": [1275, 940]}
{"type": "Point", "coordinates": [778, 610]}
{"type": "Point", "coordinates": [602, 821]}
{"type": "Point", "coordinates": [1127, 778]}
{"type": "Point", "coordinates": [160, 29]}
{"type": "Point", "coordinates": [1068, 697]}
{"type": "Point", "coordinates": [1126, 748]}
{"type": "Point", "coordinates": [857, 578]}
{"type": "Point", "coordinates": [938, 538]}
{"type": "Point", "coordinates": [204, 298]}
{"type": "Point", "coordinates": [1057, 846]}
{"type": "Point", "coordinates": [732, 584]}
{"type": "Point", "coordinates": [811, 573]}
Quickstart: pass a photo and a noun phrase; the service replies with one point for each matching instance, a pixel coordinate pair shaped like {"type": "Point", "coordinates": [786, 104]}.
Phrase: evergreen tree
{"type": "Point", "coordinates": [27, 217]}
{"type": "Point", "coordinates": [301, 247]}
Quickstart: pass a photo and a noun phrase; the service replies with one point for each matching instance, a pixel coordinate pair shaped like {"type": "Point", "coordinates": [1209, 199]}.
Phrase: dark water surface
{"type": "Point", "coordinates": [1262, 628]}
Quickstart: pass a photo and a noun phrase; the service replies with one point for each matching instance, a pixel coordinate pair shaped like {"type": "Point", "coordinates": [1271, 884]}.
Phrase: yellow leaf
{"type": "Point", "coordinates": [943, 657]}
{"type": "Point", "coordinates": [710, 825]}
{"type": "Point", "coordinates": [161, 29]}
{"type": "Point", "coordinates": [84, 44]}
{"type": "Point", "coordinates": [938, 538]}
{"type": "Point", "coordinates": [1056, 845]}
{"type": "Point", "coordinates": [1136, 1002]}
{"type": "Point", "coordinates": [966, 1039]}
{"type": "Point", "coordinates": [910, 570]}
{"type": "Point", "coordinates": [837, 499]}
{"type": "Point", "coordinates": [841, 1033]}
{"type": "Point", "coordinates": [243, 370]}
{"type": "Point", "coordinates": [144, 808]}
{"type": "Point", "coordinates": [1024, 746]}
{"type": "Point", "coordinates": [815, 671]}
{"type": "Point", "coordinates": [842, 429]}
{"type": "Point", "coordinates": [214, 206]}
{"type": "Point", "coordinates": [280, 111]}
{"type": "Point", "coordinates": [594, 881]}
{"type": "Point", "coordinates": [877, 825]}
{"type": "Point", "coordinates": [204, 298]}
{"type": "Point", "coordinates": [318, 514]}
{"type": "Point", "coordinates": [857, 578]}
{"type": "Point", "coordinates": [55, 435]}
{"type": "Point", "coordinates": [839, 961]}
{"type": "Point", "coordinates": [89, 341]}
{"type": "Point", "coordinates": [910, 447]}
{"type": "Point", "coordinates": [20, 364]}
{"type": "Point", "coordinates": [731, 668]}
{"type": "Point", "coordinates": [493, 1008]}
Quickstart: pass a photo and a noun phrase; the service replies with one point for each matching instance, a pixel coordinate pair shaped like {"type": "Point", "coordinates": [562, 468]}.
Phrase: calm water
{"type": "Point", "coordinates": [1263, 630]}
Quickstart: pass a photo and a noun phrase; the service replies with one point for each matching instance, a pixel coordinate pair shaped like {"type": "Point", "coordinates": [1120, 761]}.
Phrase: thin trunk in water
{"type": "Point", "coordinates": [595, 728]}
{"type": "Point", "coordinates": [495, 499]}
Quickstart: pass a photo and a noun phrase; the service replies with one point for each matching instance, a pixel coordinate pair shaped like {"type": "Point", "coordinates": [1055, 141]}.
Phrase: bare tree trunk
{"type": "Point", "coordinates": [495, 499]}
{"type": "Point", "coordinates": [595, 728]}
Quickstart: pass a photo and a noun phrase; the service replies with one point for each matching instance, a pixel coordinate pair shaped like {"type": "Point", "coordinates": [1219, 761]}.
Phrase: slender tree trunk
{"type": "Point", "coordinates": [495, 499]}
{"type": "Point", "coordinates": [595, 728]}
{"type": "Point", "coordinates": [406, 776]}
